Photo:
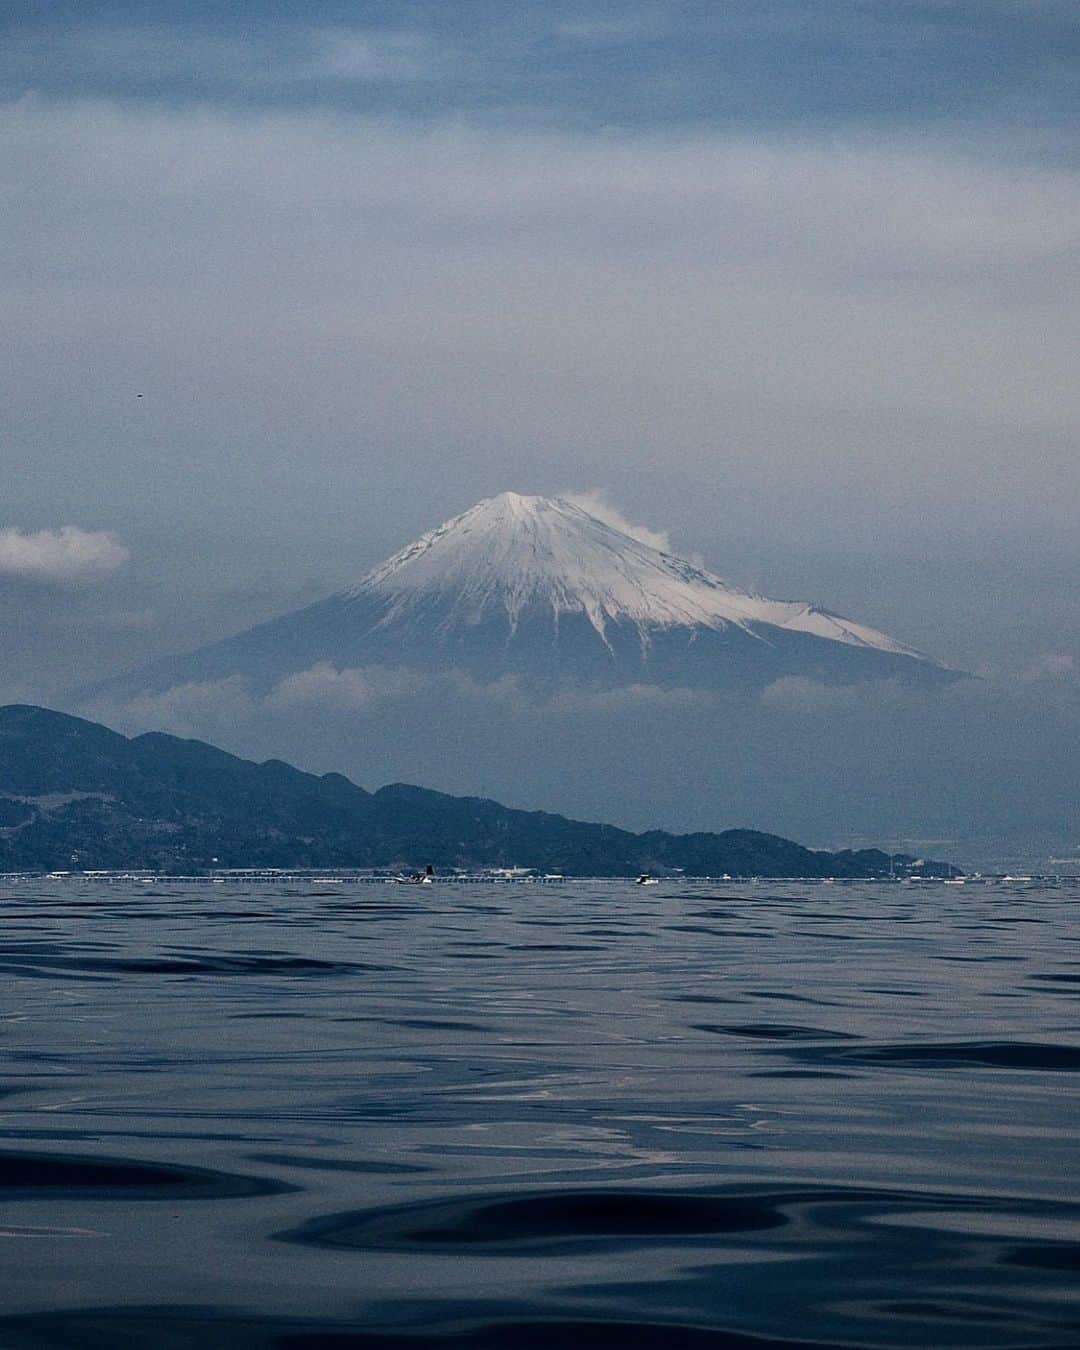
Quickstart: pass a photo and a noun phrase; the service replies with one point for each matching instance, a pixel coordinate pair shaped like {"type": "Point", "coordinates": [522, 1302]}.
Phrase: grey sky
{"type": "Point", "coordinates": [603, 62]}
{"type": "Point", "coordinates": [797, 284]}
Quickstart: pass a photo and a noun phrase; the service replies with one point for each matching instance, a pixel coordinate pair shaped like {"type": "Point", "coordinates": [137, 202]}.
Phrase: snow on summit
{"type": "Point", "coordinates": [541, 588]}
{"type": "Point", "coordinates": [512, 554]}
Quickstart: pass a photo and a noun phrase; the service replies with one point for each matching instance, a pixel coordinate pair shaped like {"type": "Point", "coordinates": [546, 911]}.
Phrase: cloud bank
{"type": "Point", "coordinates": [69, 554]}
{"type": "Point", "coordinates": [842, 339]}
{"type": "Point", "coordinates": [981, 763]}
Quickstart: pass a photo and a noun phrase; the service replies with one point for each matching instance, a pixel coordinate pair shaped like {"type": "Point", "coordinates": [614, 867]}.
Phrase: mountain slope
{"type": "Point", "coordinates": [74, 794]}
{"type": "Point", "coordinates": [540, 587]}
{"type": "Point", "coordinates": [511, 555]}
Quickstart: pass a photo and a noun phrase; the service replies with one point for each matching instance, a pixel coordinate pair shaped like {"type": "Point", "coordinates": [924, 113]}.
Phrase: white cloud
{"type": "Point", "coordinates": [800, 694]}
{"type": "Point", "coordinates": [210, 708]}
{"type": "Point", "coordinates": [68, 554]}
{"type": "Point", "coordinates": [598, 505]}
{"type": "Point", "coordinates": [632, 697]}
{"type": "Point", "coordinates": [206, 709]}
{"type": "Point", "coordinates": [324, 685]}
{"type": "Point", "coordinates": [231, 696]}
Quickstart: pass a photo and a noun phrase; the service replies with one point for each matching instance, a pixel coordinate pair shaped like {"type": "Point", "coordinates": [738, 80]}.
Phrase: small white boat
{"type": "Point", "coordinates": [423, 878]}
{"type": "Point", "coordinates": [646, 880]}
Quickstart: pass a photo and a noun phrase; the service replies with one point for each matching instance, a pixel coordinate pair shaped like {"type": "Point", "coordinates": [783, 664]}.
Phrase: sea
{"type": "Point", "coordinates": [314, 1115]}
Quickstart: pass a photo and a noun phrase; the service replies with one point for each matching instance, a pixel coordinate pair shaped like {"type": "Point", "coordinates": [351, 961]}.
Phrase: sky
{"type": "Point", "coordinates": [285, 286]}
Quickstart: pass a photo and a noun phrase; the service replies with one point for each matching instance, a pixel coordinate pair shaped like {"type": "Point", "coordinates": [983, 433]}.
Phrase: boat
{"type": "Point", "coordinates": [646, 880]}
{"type": "Point", "coordinates": [424, 878]}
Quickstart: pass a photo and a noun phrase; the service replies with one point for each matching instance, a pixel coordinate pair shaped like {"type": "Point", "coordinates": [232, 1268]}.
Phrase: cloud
{"type": "Point", "coordinates": [199, 708]}
{"type": "Point", "coordinates": [630, 697]}
{"type": "Point", "coordinates": [234, 704]}
{"type": "Point", "coordinates": [974, 762]}
{"type": "Point", "coordinates": [325, 686]}
{"type": "Point", "coordinates": [264, 62]}
{"type": "Point", "coordinates": [598, 505]}
{"type": "Point", "coordinates": [610, 64]}
{"type": "Point", "coordinates": [773, 334]}
{"type": "Point", "coordinates": [798, 694]}
{"type": "Point", "coordinates": [375, 55]}
{"type": "Point", "coordinates": [69, 554]}
{"type": "Point", "coordinates": [1051, 667]}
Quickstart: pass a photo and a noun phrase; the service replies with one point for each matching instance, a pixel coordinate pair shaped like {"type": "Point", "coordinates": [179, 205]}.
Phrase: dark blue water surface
{"type": "Point", "coordinates": [589, 1115]}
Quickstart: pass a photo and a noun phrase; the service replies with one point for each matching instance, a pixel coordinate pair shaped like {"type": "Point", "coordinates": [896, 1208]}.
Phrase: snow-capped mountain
{"type": "Point", "coordinates": [539, 586]}
{"type": "Point", "coordinates": [511, 556]}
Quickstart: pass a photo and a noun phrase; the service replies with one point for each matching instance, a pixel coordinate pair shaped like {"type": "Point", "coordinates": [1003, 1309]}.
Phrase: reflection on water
{"type": "Point", "coordinates": [576, 1116]}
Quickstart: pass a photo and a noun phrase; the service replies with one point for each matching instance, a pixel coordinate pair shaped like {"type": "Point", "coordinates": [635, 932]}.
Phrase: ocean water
{"type": "Point", "coordinates": [585, 1115]}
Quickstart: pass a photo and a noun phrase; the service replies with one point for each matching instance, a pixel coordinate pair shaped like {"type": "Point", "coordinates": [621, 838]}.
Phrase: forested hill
{"type": "Point", "coordinates": [75, 795]}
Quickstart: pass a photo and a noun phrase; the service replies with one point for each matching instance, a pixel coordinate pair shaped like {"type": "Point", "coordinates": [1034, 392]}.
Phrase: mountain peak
{"type": "Point", "coordinates": [542, 587]}
{"type": "Point", "coordinates": [511, 554]}
{"type": "Point", "coordinates": [515, 505]}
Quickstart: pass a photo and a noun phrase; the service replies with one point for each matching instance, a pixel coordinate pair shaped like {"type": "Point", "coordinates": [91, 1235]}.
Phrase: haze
{"type": "Point", "coordinates": [796, 285]}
